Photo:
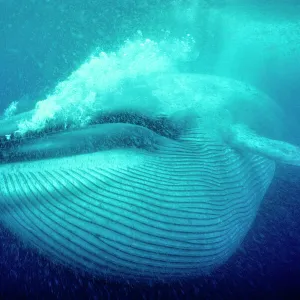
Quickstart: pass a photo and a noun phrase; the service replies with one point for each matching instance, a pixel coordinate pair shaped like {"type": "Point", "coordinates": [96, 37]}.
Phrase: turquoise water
{"type": "Point", "coordinates": [43, 42]}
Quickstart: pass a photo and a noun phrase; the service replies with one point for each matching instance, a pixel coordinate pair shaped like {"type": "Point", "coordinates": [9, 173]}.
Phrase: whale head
{"type": "Point", "coordinates": [158, 177]}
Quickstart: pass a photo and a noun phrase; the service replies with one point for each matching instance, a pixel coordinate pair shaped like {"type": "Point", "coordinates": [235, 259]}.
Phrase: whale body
{"type": "Point", "coordinates": [163, 183]}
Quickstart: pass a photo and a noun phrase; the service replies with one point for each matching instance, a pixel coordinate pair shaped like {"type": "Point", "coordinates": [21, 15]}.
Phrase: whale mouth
{"type": "Point", "coordinates": [108, 131]}
{"type": "Point", "coordinates": [177, 204]}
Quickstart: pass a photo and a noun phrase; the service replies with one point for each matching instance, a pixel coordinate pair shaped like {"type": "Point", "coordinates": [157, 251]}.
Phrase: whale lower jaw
{"type": "Point", "coordinates": [178, 209]}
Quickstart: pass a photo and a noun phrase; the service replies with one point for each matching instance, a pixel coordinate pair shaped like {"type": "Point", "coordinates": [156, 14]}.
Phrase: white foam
{"type": "Point", "coordinates": [10, 110]}
{"type": "Point", "coordinates": [74, 100]}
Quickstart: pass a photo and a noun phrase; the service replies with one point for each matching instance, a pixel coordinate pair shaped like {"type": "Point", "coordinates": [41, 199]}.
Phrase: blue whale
{"type": "Point", "coordinates": [142, 192]}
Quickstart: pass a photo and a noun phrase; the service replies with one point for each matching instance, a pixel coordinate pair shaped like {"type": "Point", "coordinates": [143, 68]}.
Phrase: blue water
{"type": "Point", "coordinates": [43, 41]}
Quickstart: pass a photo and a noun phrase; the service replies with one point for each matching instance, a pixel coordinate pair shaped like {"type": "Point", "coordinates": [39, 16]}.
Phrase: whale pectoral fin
{"type": "Point", "coordinates": [243, 138]}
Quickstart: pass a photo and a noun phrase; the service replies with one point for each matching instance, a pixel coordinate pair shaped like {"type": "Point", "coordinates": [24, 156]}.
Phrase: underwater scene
{"type": "Point", "coordinates": [149, 149]}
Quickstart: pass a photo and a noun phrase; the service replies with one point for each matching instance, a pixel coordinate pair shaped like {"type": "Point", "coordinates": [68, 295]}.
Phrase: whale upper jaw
{"type": "Point", "coordinates": [118, 130]}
